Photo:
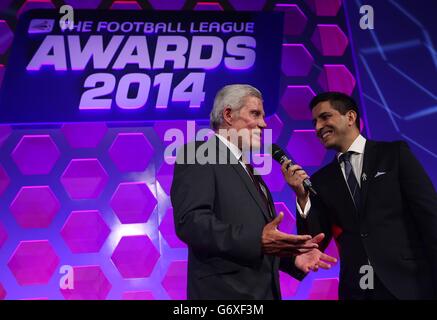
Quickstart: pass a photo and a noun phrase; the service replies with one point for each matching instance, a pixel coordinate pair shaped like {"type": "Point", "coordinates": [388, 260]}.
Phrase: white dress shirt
{"type": "Point", "coordinates": [357, 157]}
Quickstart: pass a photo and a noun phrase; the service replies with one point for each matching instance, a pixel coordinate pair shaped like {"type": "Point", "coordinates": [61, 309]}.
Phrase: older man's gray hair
{"type": "Point", "coordinates": [230, 96]}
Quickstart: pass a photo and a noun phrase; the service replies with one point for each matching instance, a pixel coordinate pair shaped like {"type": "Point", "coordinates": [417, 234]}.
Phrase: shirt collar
{"type": "Point", "coordinates": [234, 149]}
{"type": "Point", "coordinates": [356, 147]}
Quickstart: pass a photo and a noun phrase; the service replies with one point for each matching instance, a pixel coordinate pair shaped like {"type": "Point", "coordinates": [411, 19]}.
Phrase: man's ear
{"type": "Point", "coordinates": [228, 116]}
{"type": "Point", "coordinates": [352, 117]}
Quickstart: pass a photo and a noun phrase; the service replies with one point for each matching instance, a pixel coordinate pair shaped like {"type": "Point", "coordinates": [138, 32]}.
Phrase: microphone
{"type": "Point", "coordinates": [279, 155]}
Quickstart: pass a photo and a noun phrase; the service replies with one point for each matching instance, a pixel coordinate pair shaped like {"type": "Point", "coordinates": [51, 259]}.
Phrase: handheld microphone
{"type": "Point", "coordinates": [279, 155]}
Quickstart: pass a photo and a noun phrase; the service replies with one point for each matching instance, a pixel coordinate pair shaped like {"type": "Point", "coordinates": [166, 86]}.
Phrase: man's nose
{"type": "Point", "coordinates": [262, 124]}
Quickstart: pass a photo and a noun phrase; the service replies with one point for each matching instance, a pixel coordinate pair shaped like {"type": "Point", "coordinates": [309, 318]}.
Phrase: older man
{"type": "Point", "coordinates": [224, 211]}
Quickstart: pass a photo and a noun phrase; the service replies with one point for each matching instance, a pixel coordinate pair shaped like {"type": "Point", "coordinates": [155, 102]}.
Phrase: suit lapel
{"type": "Point", "coordinates": [226, 156]}
{"type": "Point", "coordinates": [340, 190]}
{"type": "Point", "coordinates": [369, 164]}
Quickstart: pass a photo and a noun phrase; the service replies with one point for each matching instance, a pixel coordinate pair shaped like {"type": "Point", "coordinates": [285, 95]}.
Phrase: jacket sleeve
{"type": "Point", "coordinates": [420, 195]}
{"type": "Point", "coordinates": [196, 223]}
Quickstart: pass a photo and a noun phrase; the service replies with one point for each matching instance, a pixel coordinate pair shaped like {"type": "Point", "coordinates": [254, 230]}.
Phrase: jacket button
{"type": "Point", "coordinates": [364, 235]}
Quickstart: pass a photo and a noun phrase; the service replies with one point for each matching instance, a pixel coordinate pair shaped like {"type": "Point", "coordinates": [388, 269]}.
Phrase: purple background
{"type": "Point", "coordinates": [96, 196]}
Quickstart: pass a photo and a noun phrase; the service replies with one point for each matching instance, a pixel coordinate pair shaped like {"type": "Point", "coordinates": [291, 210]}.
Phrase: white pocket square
{"type": "Point", "coordinates": [380, 173]}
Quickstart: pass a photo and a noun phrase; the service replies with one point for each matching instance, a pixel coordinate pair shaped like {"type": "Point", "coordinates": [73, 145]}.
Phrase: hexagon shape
{"type": "Point", "coordinates": [133, 202]}
{"type": "Point", "coordinates": [135, 257]}
{"type": "Point", "coordinates": [276, 125]}
{"type": "Point", "coordinates": [5, 132]}
{"type": "Point", "coordinates": [35, 207]}
{"type": "Point", "coordinates": [167, 230]}
{"type": "Point", "coordinates": [3, 235]}
{"type": "Point", "coordinates": [296, 60]}
{"type": "Point", "coordinates": [336, 77]}
{"type": "Point", "coordinates": [90, 283]}
{"type": "Point", "coordinates": [244, 5]}
{"type": "Point", "coordinates": [131, 152]}
{"type": "Point", "coordinates": [273, 179]}
{"type": "Point", "coordinates": [2, 292]}
{"type": "Point", "coordinates": [167, 5]}
{"type": "Point", "coordinates": [305, 148]}
{"type": "Point", "coordinates": [289, 285]}
{"type": "Point", "coordinates": [6, 36]}
{"type": "Point", "coordinates": [85, 231]}
{"type": "Point", "coordinates": [295, 20]}
{"type": "Point", "coordinates": [138, 295]}
{"type": "Point", "coordinates": [326, 8]}
{"type": "Point", "coordinates": [4, 180]}
{"type": "Point", "coordinates": [165, 174]}
{"type": "Point", "coordinates": [80, 4]}
{"type": "Point", "coordinates": [35, 154]}
{"type": "Point", "coordinates": [125, 5]}
{"type": "Point", "coordinates": [324, 289]}
{"type": "Point", "coordinates": [296, 101]}
{"type": "Point", "coordinates": [162, 127]}
{"type": "Point", "coordinates": [35, 4]}
{"type": "Point", "coordinates": [33, 262]}
{"type": "Point", "coordinates": [208, 6]}
{"type": "Point", "coordinates": [175, 280]}
{"type": "Point", "coordinates": [330, 40]}
{"type": "Point", "coordinates": [85, 134]}
{"type": "Point", "coordinates": [288, 224]}
{"type": "Point", "coordinates": [84, 178]}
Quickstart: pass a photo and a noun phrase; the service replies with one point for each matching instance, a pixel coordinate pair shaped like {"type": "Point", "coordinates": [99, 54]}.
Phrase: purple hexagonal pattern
{"type": "Point", "coordinates": [295, 20]}
{"type": "Point", "coordinates": [305, 148]}
{"type": "Point", "coordinates": [85, 231]}
{"type": "Point", "coordinates": [6, 36]}
{"type": "Point", "coordinates": [138, 295]}
{"type": "Point", "coordinates": [135, 256]}
{"type": "Point", "coordinates": [208, 6]}
{"type": "Point", "coordinates": [288, 223]}
{"type": "Point", "coordinates": [90, 283]}
{"type": "Point", "coordinates": [33, 262]}
{"type": "Point", "coordinates": [289, 285]}
{"type": "Point", "coordinates": [276, 125]}
{"type": "Point", "coordinates": [131, 152]}
{"type": "Point", "coordinates": [133, 202]}
{"type": "Point", "coordinates": [175, 280]}
{"type": "Point", "coordinates": [4, 180]}
{"type": "Point", "coordinates": [324, 289]}
{"type": "Point", "coordinates": [244, 5]}
{"type": "Point", "coordinates": [36, 4]}
{"type": "Point", "coordinates": [168, 231]}
{"type": "Point", "coordinates": [35, 154]}
{"type": "Point", "coordinates": [35, 207]}
{"type": "Point", "coordinates": [84, 178]}
{"type": "Point", "coordinates": [2, 292]}
{"type": "Point", "coordinates": [5, 132]}
{"type": "Point", "coordinates": [3, 235]}
{"type": "Point", "coordinates": [296, 60]}
{"type": "Point", "coordinates": [336, 77]}
{"type": "Point", "coordinates": [324, 7]}
{"type": "Point", "coordinates": [84, 135]}
{"type": "Point", "coordinates": [167, 4]}
{"type": "Point", "coordinates": [165, 174]}
{"type": "Point", "coordinates": [296, 100]}
{"type": "Point", "coordinates": [161, 127]}
{"type": "Point", "coordinates": [330, 40]}
{"type": "Point", "coordinates": [81, 4]}
{"type": "Point", "coordinates": [125, 5]}
{"type": "Point", "coordinates": [274, 180]}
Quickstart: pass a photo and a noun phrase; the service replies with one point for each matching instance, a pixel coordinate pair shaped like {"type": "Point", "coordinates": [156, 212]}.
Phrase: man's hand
{"type": "Point", "coordinates": [314, 259]}
{"type": "Point", "coordinates": [277, 243]}
{"type": "Point", "coordinates": [295, 176]}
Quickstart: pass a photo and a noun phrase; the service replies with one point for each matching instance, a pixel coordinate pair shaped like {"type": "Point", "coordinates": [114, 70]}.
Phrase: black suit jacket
{"type": "Point", "coordinates": [395, 226]}
{"type": "Point", "coordinates": [219, 213]}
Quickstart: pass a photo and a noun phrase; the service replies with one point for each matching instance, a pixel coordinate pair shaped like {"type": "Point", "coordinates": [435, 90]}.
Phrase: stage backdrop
{"type": "Point", "coordinates": [95, 196]}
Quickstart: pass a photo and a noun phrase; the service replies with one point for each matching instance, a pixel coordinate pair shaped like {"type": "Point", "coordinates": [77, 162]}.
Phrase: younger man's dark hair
{"type": "Point", "coordinates": [340, 101]}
